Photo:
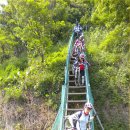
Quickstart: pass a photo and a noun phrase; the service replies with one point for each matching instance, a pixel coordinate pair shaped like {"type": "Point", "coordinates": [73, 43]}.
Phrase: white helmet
{"type": "Point", "coordinates": [81, 37]}
{"type": "Point", "coordinates": [88, 105]}
{"type": "Point", "coordinates": [82, 55]}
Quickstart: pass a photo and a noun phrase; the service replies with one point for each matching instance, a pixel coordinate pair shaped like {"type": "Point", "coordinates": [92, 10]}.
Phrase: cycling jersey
{"type": "Point", "coordinates": [78, 43]}
{"type": "Point", "coordinates": [77, 28]}
{"type": "Point", "coordinates": [81, 121]}
{"type": "Point", "coordinates": [81, 66]}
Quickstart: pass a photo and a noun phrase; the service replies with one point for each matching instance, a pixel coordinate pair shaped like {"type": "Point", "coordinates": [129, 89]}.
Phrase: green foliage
{"type": "Point", "coordinates": [33, 53]}
{"type": "Point", "coordinates": [109, 13]}
{"type": "Point", "coordinates": [34, 30]}
{"type": "Point", "coordinates": [19, 75]}
{"type": "Point", "coordinates": [13, 92]}
{"type": "Point", "coordinates": [108, 50]}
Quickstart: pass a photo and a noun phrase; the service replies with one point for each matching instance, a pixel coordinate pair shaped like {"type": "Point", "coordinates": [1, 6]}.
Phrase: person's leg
{"type": "Point", "coordinates": [79, 76]}
{"type": "Point", "coordinates": [73, 69]}
{"type": "Point", "coordinates": [76, 73]}
{"type": "Point", "coordinates": [82, 77]}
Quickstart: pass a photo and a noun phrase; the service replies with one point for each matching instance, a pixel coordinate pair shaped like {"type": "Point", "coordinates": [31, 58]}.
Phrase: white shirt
{"type": "Point", "coordinates": [83, 120]}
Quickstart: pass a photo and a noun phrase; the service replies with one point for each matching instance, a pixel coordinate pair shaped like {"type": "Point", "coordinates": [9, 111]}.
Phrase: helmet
{"type": "Point", "coordinates": [81, 37]}
{"type": "Point", "coordinates": [88, 105]}
{"type": "Point", "coordinates": [82, 56]}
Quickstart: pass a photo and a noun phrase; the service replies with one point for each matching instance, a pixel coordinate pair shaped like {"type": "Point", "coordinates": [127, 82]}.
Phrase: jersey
{"type": "Point", "coordinates": [81, 65]}
{"type": "Point", "coordinates": [83, 120]}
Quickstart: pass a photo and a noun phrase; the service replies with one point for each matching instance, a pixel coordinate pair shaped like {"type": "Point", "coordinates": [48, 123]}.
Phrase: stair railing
{"type": "Point", "coordinates": [59, 120]}
{"type": "Point", "coordinates": [91, 100]}
{"type": "Point", "coordinates": [89, 96]}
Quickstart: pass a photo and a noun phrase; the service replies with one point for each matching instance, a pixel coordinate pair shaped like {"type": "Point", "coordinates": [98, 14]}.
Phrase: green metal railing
{"type": "Point", "coordinates": [89, 96]}
{"type": "Point", "coordinates": [59, 121]}
{"type": "Point", "coordinates": [91, 100]}
{"type": "Point", "coordinates": [58, 124]}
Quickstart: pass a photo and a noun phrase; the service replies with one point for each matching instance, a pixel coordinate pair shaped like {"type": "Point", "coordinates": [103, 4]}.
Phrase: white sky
{"type": "Point", "coordinates": [4, 2]}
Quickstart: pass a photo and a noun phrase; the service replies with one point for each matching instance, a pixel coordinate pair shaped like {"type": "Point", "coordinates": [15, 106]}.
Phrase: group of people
{"type": "Point", "coordinates": [80, 119]}
{"type": "Point", "coordinates": [78, 54]}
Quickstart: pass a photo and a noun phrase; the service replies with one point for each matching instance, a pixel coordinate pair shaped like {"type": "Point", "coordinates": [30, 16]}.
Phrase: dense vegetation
{"type": "Point", "coordinates": [33, 48]}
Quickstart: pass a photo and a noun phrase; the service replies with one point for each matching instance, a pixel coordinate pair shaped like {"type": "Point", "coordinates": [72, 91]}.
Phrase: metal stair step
{"type": "Point", "coordinates": [76, 101]}
{"type": "Point", "coordinates": [77, 87]}
{"type": "Point", "coordinates": [71, 75]}
{"type": "Point", "coordinates": [76, 93]}
{"type": "Point", "coordinates": [71, 80]}
{"type": "Point", "coordinates": [70, 72]}
{"type": "Point", "coordinates": [73, 109]}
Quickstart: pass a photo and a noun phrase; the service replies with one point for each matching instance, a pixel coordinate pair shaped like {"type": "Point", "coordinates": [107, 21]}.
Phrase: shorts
{"type": "Point", "coordinates": [82, 72]}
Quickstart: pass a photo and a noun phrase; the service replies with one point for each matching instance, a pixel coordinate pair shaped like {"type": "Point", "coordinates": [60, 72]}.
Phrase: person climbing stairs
{"type": "Point", "coordinates": [76, 96]}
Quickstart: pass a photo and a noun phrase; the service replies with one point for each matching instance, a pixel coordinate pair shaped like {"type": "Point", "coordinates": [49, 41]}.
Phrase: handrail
{"type": "Point", "coordinates": [89, 94]}
{"type": "Point", "coordinates": [90, 99]}
{"type": "Point", "coordinates": [68, 60]}
{"type": "Point", "coordinates": [59, 120]}
{"type": "Point", "coordinates": [58, 123]}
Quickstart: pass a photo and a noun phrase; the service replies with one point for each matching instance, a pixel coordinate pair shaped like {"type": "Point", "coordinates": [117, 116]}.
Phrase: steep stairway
{"type": "Point", "coordinates": [72, 97]}
{"type": "Point", "coordinates": [76, 96]}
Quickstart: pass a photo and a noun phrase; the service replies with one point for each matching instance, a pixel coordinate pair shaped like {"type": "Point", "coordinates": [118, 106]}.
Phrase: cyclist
{"type": "Point", "coordinates": [75, 64]}
{"type": "Point", "coordinates": [80, 42]}
{"type": "Point", "coordinates": [80, 119]}
{"type": "Point", "coordinates": [77, 29]}
{"type": "Point", "coordinates": [82, 64]}
{"type": "Point", "coordinates": [81, 38]}
{"type": "Point", "coordinates": [78, 48]}
{"type": "Point", "coordinates": [78, 68]}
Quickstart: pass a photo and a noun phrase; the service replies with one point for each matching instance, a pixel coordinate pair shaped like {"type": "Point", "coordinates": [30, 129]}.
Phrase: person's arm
{"type": "Point", "coordinates": [87, 63]}
{"type": "Point", "coordinates": [92, 117]}
{"type": "Point", "coordinates": [76, 63]}
{"type": "Point", "coordinates": [73, 117]}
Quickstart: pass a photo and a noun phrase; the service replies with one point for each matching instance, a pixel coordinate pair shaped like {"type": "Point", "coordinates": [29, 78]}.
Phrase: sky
{"type": "Point", "coordinates": [3, 2]}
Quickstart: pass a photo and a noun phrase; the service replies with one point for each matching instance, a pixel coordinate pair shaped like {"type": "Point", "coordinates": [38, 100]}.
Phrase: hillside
{"type": "Point", "coordinates": [33, 47]}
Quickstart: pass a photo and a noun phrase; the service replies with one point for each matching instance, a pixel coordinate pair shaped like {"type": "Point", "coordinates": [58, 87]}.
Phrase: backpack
{"type": "Point", "coordinates": [80, 114]}
{"type": "Point", "coordinates": [81, 66]}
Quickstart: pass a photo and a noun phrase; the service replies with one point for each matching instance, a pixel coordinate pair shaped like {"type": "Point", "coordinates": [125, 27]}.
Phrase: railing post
{"type": "Point", "coordinates": [98, 119]}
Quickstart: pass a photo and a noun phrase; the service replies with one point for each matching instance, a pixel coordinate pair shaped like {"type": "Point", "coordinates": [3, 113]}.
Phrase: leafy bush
{"type": "Point", "coordinates": [108, 53]}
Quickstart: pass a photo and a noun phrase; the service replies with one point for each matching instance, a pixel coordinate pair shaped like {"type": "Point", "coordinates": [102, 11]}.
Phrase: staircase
{"type": "Point", "coordinates": [76, 96]}
{"type": "Point", "coordinates": [72, 97]}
